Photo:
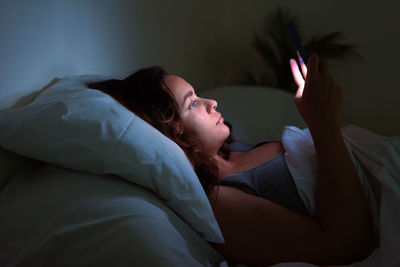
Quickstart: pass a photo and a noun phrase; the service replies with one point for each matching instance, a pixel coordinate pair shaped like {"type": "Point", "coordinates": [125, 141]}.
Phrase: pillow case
{"type": "Point", "coordinates": [85, 129]}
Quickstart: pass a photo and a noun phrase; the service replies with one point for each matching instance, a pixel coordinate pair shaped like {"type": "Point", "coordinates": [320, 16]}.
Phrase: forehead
{"type": "Point", "coordinates": [178, 86]}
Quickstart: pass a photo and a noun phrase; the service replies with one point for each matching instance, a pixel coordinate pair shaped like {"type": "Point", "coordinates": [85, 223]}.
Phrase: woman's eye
{"type": "Point", "coordinates": [192, 104]}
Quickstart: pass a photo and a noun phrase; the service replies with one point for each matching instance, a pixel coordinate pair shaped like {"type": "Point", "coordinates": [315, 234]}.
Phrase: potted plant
{"type": "Point", "coordinates": [275, 46]}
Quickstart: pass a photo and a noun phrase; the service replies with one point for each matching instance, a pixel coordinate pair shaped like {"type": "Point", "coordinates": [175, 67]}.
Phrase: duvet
{"type": "Point", "coordinates": [377, 161]}
{"type": "Point", "coordinates": [52, 216]}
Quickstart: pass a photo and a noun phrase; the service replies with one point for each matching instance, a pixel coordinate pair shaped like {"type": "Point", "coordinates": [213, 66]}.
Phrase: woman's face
{"type": "Point", "coordinates": [199, 115]}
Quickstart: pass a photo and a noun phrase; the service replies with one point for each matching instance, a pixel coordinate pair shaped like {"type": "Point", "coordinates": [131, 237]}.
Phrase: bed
{"type": "Point", "coordinates": [84, 182]}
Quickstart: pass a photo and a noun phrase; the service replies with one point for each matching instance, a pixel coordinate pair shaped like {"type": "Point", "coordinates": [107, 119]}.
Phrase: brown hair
{"type": "Point", "coordinates": [145, 93]}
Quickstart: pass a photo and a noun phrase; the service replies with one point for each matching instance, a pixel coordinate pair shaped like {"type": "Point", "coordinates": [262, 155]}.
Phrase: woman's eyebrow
{"type": "Point", "coordinates": [188, 94]}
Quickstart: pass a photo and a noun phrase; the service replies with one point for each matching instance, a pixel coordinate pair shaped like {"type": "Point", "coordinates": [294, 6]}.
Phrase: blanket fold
{"type": "Point", "coordinates": [377, 161]}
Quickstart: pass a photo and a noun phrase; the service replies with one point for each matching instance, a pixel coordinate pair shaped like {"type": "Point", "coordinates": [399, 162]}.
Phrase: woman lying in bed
{"type": "Point", "coordinates": [254, 198]}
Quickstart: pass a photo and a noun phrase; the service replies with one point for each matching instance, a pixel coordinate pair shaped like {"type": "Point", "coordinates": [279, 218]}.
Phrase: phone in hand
{"type": "Point", "coordinates": [297, 41]}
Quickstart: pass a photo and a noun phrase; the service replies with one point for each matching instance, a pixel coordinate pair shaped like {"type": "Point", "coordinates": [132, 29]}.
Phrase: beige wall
{"type": "Point", "coordinates": [207, 42]}
{"type": "Point", "coordinates": [371, 89]}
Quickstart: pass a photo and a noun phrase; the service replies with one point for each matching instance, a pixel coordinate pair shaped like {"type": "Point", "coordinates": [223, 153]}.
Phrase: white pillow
{"type": "Point", "coordinates": [84, 129]}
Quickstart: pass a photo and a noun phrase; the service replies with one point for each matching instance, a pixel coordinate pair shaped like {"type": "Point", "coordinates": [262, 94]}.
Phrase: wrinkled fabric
{"type": "Point", "coordinates": [377, 161]}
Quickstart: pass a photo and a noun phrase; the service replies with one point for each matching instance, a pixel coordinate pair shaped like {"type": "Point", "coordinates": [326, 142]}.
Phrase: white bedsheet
{"type": "Point", "coordinates": [377, 160]}
{"type": "Point", "coordinates": [51, 216]}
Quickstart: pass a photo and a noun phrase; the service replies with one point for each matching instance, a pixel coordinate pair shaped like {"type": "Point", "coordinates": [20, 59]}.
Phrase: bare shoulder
{"type": "Point", "coordinates": [258, 231]}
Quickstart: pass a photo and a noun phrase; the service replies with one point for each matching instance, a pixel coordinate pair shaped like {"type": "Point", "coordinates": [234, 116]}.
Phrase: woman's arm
{"type": "Point", "coordinates": [342, 210]}
{"type": "Point", "coordinates": [261, 232]}
{"type": "Point", "coordinates": [342, 207]}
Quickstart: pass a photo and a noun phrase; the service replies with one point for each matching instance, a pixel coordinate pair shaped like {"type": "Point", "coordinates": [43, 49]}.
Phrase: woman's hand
{"type": "Point", "coordinates": [341, 204]}
{"type": "Point", "coordinates": [318, 97]}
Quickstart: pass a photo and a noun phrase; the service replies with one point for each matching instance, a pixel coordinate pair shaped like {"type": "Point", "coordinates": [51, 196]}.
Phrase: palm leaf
{"type": "Point", "coordinates": [331, 46]}
{"type": "Point", "coordinates": [267, 51]}
{"type": "Point", "coordinates": [275, 47]}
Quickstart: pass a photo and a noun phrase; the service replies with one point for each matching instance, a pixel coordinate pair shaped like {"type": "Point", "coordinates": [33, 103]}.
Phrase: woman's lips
{"type": "Point", "coordinates": [220, 119]}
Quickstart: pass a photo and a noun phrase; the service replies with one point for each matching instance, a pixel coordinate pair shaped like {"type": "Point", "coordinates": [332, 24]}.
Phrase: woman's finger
{"type": "Point", "coordinates": [302, 65]}
{"type": "Point", "coordinates": [299, 92]}
{"type": "Point", "coordinates": [296, 73]}
{"type": "Point", "coordinates": [312, 65]}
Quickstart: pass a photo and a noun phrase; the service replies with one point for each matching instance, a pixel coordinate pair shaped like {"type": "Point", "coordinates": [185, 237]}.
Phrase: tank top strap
{"type": "Point", "coordinates": [243, 146]}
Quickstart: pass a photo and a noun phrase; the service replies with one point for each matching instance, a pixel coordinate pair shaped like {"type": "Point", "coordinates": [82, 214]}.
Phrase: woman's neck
{"type": "Point", "coordinates": [224, 166]}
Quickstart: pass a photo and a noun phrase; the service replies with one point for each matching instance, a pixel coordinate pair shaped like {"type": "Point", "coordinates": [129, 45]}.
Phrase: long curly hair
{"type": "Point", "coordinates": [146, 94]}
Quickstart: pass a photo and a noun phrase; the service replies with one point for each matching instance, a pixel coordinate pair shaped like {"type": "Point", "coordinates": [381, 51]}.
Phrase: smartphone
{"type": "Point", "coordinates": [297, 41]}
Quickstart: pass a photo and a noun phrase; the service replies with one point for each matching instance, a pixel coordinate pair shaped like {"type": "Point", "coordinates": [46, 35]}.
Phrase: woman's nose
{"type": "Point", "coordinates": [211, 105]}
